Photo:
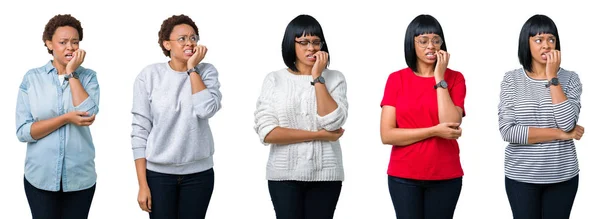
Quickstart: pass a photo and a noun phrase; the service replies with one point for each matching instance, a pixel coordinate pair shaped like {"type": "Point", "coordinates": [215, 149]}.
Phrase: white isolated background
{"type": "Point", "coordinates": [365, 40]}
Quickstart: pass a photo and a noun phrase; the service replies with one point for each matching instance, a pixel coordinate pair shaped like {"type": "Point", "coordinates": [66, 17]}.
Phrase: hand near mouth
{"type": "Point", "coordinates": [320, 63]}
{"type": "Point", "coordinates": [199, 53]}
{"type": "Point", "coordinates": [76, 60]}
{"type": "Point", "coordinates": [441, 64]}
{"type": "Point", "coordinates": [552, 63]}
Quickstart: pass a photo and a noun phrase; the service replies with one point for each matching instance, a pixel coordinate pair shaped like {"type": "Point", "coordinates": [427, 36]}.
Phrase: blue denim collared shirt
{"type": "Point", "coordinates": [67, 154]}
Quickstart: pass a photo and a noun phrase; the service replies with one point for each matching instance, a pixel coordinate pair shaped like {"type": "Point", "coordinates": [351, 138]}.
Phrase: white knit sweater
{"type": "Point", "coordinates": [289, 101]}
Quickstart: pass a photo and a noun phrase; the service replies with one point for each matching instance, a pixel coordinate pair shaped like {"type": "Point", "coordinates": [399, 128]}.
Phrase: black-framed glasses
{"type": "Point", "coordinates": [316, 44]}
{"type": "Point", "coordinates": [182, 40]}
{"type": "Point", "coordinates": [423, 42]}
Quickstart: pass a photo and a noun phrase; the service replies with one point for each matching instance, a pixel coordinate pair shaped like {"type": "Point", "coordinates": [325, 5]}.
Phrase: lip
{"type": "Point", "coordinates": [432, 55]}
{"type": "Point", "coordinates": [311, 57]}
{"type": "Point", "coordinates": [543, 55]}
{"type": "Point", "coordinates": [188, 52]}
{"type": "Point", "coordinates": [69, 56]}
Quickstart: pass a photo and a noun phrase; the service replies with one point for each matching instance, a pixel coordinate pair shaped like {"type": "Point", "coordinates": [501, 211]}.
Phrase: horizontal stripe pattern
{"type": "Point", "coordinates": [526, 102]}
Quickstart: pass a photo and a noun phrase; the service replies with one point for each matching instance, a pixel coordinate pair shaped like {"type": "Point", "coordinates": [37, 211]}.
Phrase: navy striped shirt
{"type": "Point", "coordinates": [526, 102]}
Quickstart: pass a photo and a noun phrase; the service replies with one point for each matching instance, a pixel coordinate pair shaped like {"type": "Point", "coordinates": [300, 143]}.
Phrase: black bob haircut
{"type": "Point", "coordinates": [422, 24]}
{"type": "Point", "coordinates": [537, 24]}
{"type": "Point", "coordinates": [302, 25]}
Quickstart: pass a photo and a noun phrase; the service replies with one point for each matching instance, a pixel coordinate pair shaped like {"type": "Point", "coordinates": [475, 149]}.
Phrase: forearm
{"type": "Point", "coordinates": [78, 94]}
{"type": "Point", "coordinates": [537, 135]}
{"type": "Point", "coordinates": [140, 169]}
{"type": "Point", "coordinates": [447, 111]}
{"type": "Point", "coordinates": [43, 128]}
{"type": "Point", "coordinates": [325, 103]}
{"type": "Point", "coordinates": [197, 83]}
{"type": "Point", "coordinates": [404, 137]}
{"type": "Point", "coordinates": [557, 94]}
{"type": "Point", "coordinates": [281, 135]}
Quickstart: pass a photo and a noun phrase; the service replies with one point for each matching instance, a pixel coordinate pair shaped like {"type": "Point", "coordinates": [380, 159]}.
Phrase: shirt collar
{"type": "Point", "coordinates": [49, 67]}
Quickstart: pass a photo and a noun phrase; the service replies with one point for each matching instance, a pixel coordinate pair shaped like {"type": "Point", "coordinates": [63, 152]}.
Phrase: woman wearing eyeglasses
{"type": "Point", "coordinates": [56, 105]}
{"type": "Point", "coordinates": [422, 109]}
{"type": "Point", "coordinates": [171, 138]}
{"type": "Point", "coordinates": [299, 114]}
{"type": "Point", "coordinates": [537, 115]}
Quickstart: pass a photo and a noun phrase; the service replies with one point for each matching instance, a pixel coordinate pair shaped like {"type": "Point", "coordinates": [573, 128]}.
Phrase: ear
{"type": "Point", "coordinates": [49, 44]}
{"type": "Point", "coordinates": [167, 45]}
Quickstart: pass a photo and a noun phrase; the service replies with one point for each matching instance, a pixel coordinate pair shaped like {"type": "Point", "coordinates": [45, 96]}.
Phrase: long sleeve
{"type": "Point", "coordinates": [337, 117]}
{"type": "Point", "coordinates": [142, 118]}
{"type": "Point", "coordinates": [24, 119]}
{"type": "Point", "coordinates": [566, 113]}
{"type": "Point", "coordinates": [509, 129]}
{"type": "Point", "coordinates": [265, 117]}
{"type": "Point", "coordinates": [91, 103]}
{"type": "Point", "coordinates": [208, 101]}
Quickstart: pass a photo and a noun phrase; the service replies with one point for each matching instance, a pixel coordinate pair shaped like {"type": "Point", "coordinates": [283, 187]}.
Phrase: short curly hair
{"type": "Point", "coordinates": [61, 20]}
{"type": "Point", "coordinates": [167, 27]}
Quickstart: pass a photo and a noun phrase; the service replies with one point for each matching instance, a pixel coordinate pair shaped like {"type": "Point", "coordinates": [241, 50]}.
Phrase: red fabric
{"type": "Point", "coordinates": [415, 101]}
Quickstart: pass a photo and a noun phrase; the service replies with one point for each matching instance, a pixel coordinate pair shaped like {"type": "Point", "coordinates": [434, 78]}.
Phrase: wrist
{"type": "Point", "coordinates": [562, 135]}
{"type": "Point", "coordinates": [64, 118]}
{"type": "Point", "coordinates": [318, 135]}
{"type": "Point", "coordinates": [432, 131]}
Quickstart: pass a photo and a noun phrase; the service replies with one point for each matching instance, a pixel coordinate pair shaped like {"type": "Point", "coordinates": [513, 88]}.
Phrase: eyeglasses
{"type": "Point", "coordinates": [423, 42]}
{"type": "Point", "coordinates": [182, 40]}
{"type": "Point", "coordinates": [317, 44]}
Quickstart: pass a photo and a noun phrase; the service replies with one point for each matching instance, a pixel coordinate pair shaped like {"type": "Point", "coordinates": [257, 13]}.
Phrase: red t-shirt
{"type": "Point", "coordinates": [416, 105]}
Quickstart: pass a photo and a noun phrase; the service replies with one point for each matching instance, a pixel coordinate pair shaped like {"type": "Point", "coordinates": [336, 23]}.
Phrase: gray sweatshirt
{"type": "Point", "coordinates": [170, 124]}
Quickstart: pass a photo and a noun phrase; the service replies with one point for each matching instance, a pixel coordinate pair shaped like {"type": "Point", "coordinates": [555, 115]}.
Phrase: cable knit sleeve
{"type": "Point", "coordinates": [336, 84]}
{"type": "Point", "coordinates": [265, 118]}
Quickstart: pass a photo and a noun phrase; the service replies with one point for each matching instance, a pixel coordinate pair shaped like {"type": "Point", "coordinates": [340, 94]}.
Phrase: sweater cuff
{"type": "Point", "coordinates": [139, 153]}
{"type": "Point", "coordinates": [264, 132]}
{"type": "Point", "coordinates": [331, 121]}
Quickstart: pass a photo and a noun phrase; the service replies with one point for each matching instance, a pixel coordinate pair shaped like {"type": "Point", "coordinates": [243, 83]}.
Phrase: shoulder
{"type": "Point", "coordinates": [85, 72]}
{"type": "Point", "coordinates": [512, 74]}
{"type": "Point", "coordinates": [206, 67]}
{"type": "Point", "coordinates": [274, 76]}
{"type": "Point", "coordinates": [333, 75]}
{"type": "Point", "coordinates": [567, 73]}
{"type": "Point", "coordinates": [454, 74]}
{"type": "Point", "coordinates": [150, 70]}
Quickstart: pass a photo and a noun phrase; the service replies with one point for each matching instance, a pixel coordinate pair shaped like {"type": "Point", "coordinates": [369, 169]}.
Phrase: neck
{"type": "Point", "coordinates": [538, 70]}
{"type": "Point", "coordinates": [178, 65]}
{"type": "Point", "coordinates": [303, 69]}
{"type": "Point", "coordinates": [425, 70]}
{"type": "Point", "coordinates": [61, 69]}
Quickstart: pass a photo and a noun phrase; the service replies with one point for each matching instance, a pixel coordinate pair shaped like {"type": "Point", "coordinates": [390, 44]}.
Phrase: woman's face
{"type": "Point", "coordinates": [541, 44]}
{"type": "Point", "coordinates": [426, 47]}
{"type": "Point", "coordinates": [181, 42]}
{"type": "Point", "coordinates": [64, 42]}
{"type": "Point", "coordinates": [306, 47]}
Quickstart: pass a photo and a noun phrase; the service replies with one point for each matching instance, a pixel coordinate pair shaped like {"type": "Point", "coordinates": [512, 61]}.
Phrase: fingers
{"type": "Point", "coordinates": [143, 203]}
{"type": "Point", "coordinates": [451, 124]}
{"type": "Point", "coordinates": [81, 113]}
{"type": "Point", "coordinates": [149, 204]}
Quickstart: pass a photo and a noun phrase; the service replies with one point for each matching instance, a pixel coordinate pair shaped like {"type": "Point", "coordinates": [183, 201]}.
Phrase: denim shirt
{"type": "Point", "coordinates": [67, 154]}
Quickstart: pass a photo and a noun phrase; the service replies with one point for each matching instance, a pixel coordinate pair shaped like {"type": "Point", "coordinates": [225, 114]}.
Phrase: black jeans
{"type": "Point", "coordinates": [424, 199]}
{"type": "Point", "coordinates": [58, 205]}
{"type": "Point", "coordinates": [300, 200]}
{"type": "Point", "coordinates": [180, 196]}
{"type": "Point", "coordinates": [537, 201]}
